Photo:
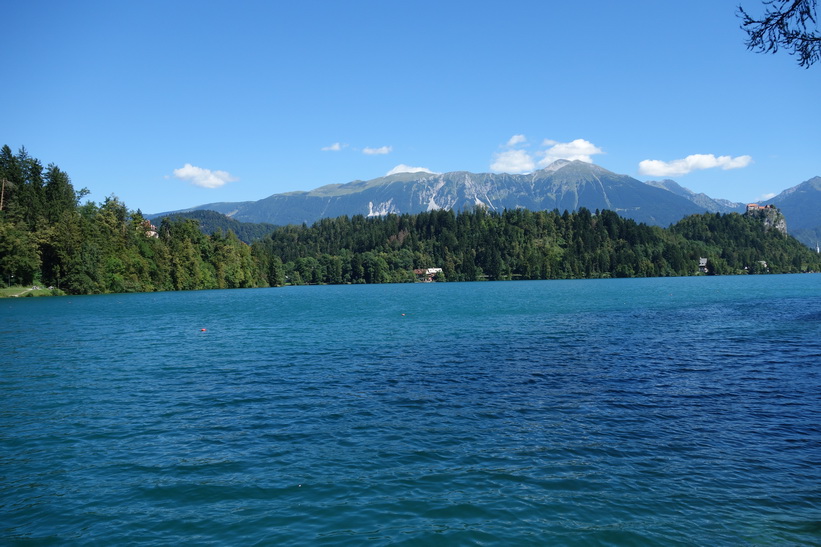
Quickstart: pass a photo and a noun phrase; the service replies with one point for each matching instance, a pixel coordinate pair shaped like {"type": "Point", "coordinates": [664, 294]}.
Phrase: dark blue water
{"type": "Point", "coordinates": [680, 411]}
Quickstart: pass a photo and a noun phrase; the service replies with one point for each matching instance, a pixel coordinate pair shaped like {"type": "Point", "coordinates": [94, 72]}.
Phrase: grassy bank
{"type": "Point", "coordinates": [16, 291]}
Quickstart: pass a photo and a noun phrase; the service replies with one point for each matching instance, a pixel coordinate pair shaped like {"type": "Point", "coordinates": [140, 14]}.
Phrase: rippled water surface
{"type": "Point", "coordinates": [627, 412]}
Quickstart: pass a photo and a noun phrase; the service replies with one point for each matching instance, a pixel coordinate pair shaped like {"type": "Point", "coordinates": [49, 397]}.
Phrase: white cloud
{"type": "Point", "coordinates": [694, 162]}
{"type": "Point", "coordinates": [335, 147]}
{"type": "Point", "coordinates": [204, 178]}
{"type": "Point", "coordinates": [767, 196]}
{"type": "Point", "coordinates": [578, 149]}
{"type": "Point", "coordinates": [512, 161]}
{"type": "Point", "coordinates": [520, 160]}
{"type": "Point", "coordinates": [402, 168]}
{"type": "Point", "coordinates": [376, 151]}
{"type": "Point", "coordinates": [516, 139]}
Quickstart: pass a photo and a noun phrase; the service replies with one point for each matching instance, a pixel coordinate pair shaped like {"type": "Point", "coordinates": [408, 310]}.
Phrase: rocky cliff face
{"type": "Point", "coordinates": [769, 215]}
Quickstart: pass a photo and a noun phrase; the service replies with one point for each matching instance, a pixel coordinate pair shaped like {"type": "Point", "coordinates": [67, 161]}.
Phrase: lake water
{"type": "Point", "coordinates": [682, 411]}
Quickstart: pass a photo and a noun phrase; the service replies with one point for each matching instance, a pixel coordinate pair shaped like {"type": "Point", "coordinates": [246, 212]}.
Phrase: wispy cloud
{"type": "Point", "coordinates": [694, 162]}
{"type": "Point", "coordinates": [516, 139]}
{"type": "Point", "coordinates": [377, 151]}
{"type": "Point", "coordinates": [335, 147]}
{"type": "Point", "coordinates": [402, 168]}
{"type": "Point", "coordinates": [515, 158]}
{"type": "Point", "coordinates": [204, 178]}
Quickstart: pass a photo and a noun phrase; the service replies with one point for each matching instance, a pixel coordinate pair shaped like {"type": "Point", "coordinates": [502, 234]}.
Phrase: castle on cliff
{"type": "Point", "coordinates": [769, 215]}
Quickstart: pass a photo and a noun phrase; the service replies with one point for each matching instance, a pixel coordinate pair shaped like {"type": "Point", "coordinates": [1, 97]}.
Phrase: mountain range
{"type": "Point", "coordinates": [563, 185]}
{"type": "Point", "coordinates": [801, 206]}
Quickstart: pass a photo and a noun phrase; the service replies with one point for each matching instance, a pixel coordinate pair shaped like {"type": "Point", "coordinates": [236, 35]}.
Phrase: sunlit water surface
{"type": "Point", "coordinates": [627, 412]}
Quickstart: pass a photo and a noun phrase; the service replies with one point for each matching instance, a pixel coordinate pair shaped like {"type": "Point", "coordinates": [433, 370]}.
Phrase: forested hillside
{"type": "Point", "coordinates": [522, 244]}
{"type": "Point", "coordinates": [211, 222]}
{"type": "Point", "coordinates": [48, 237]}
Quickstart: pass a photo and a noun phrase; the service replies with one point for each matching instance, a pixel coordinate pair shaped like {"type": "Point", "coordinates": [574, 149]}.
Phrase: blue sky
{"type": "Point", "coordinates": [173, 104]}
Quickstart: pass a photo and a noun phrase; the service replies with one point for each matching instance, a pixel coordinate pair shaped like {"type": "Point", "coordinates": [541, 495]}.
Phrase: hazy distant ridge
{"type": "Point", "coordinates": [563, 185]}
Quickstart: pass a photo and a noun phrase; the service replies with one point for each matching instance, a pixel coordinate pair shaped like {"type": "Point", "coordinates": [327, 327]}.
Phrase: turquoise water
{"type": "Point", "coordinates": [682, 411]}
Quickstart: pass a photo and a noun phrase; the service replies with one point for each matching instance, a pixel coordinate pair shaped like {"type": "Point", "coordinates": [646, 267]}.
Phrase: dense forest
{"type": "Point", "coordinates": [48, 237]}
{"type": "Point", "coordinates": [521, 244]}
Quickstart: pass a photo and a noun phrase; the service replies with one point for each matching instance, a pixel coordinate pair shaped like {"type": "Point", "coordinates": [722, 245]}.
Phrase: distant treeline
{"type": "Point", "coordinates": [48, 237]}
{"type": "Point", "coordinates": [211, 222]}
{"type": "Point", "coordinates": [522, 244]}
